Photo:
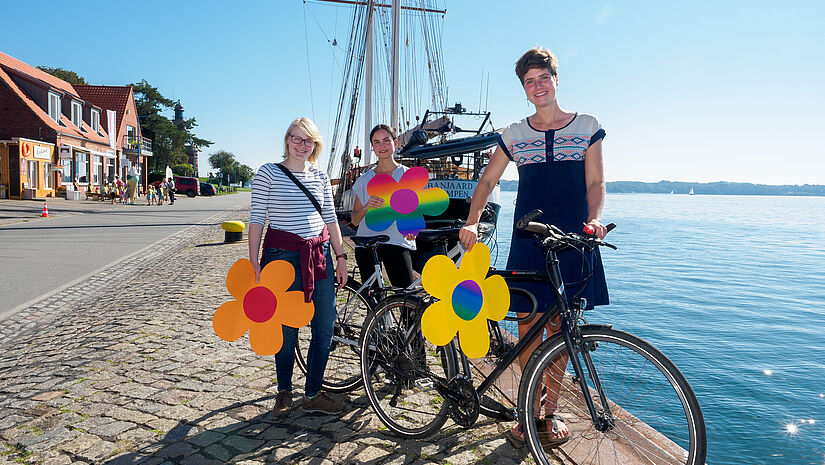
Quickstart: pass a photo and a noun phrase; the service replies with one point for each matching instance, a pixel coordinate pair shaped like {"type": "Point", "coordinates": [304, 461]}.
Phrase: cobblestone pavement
{"type": "Point", "coordinates": [125, 368]}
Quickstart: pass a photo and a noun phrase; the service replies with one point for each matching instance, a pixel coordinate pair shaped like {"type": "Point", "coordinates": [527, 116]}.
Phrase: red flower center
{"type": "Point", "coordinates": [259, 304]}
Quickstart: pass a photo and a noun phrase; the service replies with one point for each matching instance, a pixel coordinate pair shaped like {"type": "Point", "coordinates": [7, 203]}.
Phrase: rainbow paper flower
{"type": "Point", "coordinates": [466, 301]}
{"type": "Point", "coordinates": [261, 308]}
{"type": "Point", "coordinates": [405, 202]}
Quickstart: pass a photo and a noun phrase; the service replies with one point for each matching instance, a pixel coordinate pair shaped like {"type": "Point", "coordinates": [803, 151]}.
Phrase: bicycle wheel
{"type": "Point", "coordinates": [342, 373]}
{"type": "Point", "coordinates": [402, 379]}
{"type": "Point", "coordinates": [656, 417]}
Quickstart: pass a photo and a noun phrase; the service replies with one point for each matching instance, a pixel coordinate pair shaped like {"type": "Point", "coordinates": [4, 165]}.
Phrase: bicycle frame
{"type": "Point", "coordinates": [569, 331]}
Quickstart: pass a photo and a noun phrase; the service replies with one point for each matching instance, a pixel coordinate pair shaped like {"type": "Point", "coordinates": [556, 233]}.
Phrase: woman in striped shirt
{"type": "Point", "coordinates": [302, 225]}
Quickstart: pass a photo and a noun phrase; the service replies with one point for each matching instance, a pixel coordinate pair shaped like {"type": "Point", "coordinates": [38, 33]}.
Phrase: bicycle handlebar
{"type": "Point", "coordinates": [553, 236]}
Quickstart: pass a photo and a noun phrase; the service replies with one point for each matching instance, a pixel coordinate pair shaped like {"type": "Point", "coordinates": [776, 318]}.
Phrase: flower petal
{"type": "Point", "coordinates": [496, 298]}
{"type": "Point", "coordinates": [277, 276]}
{"type": "Point", "coordinates": [230, 322]}
{"type": "Point", "coordinates": [266, 338]}
{"type": "Point", "coordinates": [382, 185]}
{"type": "Point", "coordinates": [440, 277]}
{"type": "Point", "coordinates": [240, 278]}
{"type": "Point", "coordinates": [379, 219]}
{"type": "Point", "coordinates": [433, 201]}
{"type": "Point", "coordinates": [410, 224]}
{"type": "Point", "coordinates": [292, 310]}
{"type": "Point", "coordinates": [476, 262]}
{"type": "Point", "coordinates": [474, 337]}
{"type": "Point", "coordinates": [415, 178]}
{"type": "Point", "coordinates": [439, 323]}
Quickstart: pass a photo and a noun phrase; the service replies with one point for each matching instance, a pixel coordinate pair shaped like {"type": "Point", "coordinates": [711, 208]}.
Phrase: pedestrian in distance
{"type": "Point", "coordinates": [170, 188]}
{"type": "Point", "coordinates": [558, 154]}
{"type": "Point", "coordinates": [297, 197]}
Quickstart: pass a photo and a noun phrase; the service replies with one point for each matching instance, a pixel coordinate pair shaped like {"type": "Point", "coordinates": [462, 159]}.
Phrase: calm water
{"type": "Point", "coordinates": [732, 289]}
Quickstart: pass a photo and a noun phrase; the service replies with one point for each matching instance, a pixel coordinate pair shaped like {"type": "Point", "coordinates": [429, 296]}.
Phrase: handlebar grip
{"type": "Point", "coordinates": [529, 217]}
{"type": "Point", "coordinates": [536, 227]}
{"type": "Point", "coordinates": [610, 227]}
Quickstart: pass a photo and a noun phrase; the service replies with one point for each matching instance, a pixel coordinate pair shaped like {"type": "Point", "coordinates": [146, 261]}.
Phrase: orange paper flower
{"type": "Point", "coordinates": [261, 308]}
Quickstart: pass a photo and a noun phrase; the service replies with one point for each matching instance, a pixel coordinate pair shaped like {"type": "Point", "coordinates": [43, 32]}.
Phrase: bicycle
{"type": "Point", "coordinates": [623, 400]}
{"type": "Point", "coordinates": [355, 303]}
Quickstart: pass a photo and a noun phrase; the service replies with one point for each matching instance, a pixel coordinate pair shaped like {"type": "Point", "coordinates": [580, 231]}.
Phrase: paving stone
{"type": "Point", "coordinates": [219, 452]}
{"type": "Point", "coordinates": [206, 438]}
{"type": "Point", "coordinates": [371, 454]}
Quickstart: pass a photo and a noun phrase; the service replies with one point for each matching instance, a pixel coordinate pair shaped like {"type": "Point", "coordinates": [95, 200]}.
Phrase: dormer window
{"type": "Point", "coordinates": [54, 106]}
{"type": "Point", "coordinates": [77, 114]}
{"type": "Point", "coordinates": [95, 121]}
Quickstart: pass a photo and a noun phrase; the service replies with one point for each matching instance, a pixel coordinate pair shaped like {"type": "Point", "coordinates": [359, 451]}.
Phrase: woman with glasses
{"type": "Point", "coordinates": [394, 254]}
{"type": "Point", "coordinates": [559, 158]}
{"type": "Point", "coordinates": [302, 226]}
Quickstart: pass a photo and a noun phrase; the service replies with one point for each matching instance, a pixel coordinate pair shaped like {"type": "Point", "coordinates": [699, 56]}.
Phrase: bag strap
{"type": "Point", "coordinates": [302, 187]}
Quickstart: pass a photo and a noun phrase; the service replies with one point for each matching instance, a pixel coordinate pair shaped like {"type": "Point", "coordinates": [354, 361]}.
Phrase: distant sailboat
{"type": "Point", "coordinates": [671, 192]}
{"type": "Point", "coordinates": [691, 192]}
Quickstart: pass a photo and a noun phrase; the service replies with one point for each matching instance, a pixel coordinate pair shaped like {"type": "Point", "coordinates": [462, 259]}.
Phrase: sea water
{"type": "Point", "coordinates": [732, 289]}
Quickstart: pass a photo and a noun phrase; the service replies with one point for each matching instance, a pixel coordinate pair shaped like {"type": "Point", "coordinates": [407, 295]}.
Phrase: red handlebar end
{"type": "Point", "coordinates": [588, 229]}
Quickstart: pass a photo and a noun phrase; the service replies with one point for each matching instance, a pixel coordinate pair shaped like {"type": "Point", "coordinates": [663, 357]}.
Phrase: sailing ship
{"type": "Point", "coordinates": [454, 156]}
{"type": "Point", "coordinates": [691, 192]}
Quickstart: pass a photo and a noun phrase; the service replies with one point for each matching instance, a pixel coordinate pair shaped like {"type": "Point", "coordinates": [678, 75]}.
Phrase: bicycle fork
{"type": "Point", "coordinates": [603, 419]}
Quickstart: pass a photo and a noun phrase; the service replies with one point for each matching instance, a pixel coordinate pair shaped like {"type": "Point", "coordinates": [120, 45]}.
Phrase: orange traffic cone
{"type": "Point", "coordinates": [45, 213]}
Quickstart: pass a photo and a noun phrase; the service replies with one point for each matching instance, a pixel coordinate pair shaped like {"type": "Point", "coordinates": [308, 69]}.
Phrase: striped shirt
{"type": "Point", "coordinates": [288, 208]}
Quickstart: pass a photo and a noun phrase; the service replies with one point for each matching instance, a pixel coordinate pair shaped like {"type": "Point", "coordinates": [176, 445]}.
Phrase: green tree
{"type": "Point", "coordinates": [245, 173]}
{"type": "Point", "coordinates": [69, 76]}
{"type": "Point", "coordinates": [183, 169]}
{"type": "Point", "coordinates": [224, 162]}
{"type": "Point", "coordinates": [169, 140]}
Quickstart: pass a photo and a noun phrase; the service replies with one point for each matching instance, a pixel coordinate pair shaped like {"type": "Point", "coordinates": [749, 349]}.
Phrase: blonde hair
{"type": "Point", "coordinates": [310, 129]}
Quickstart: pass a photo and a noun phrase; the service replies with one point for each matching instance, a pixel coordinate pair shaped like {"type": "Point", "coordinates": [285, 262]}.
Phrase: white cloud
{"type": "Point", "coordinates": [602, 16]}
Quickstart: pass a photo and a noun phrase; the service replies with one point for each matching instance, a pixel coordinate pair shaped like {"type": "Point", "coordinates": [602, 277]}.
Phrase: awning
{"type": "Point", "coordinates": [74, 148]}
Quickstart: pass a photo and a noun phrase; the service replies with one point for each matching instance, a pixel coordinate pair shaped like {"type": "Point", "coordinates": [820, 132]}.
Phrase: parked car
{"type": "Point", "coordinates": [187, 185]}
{"type": "Point", "coordinates": [207, 189]}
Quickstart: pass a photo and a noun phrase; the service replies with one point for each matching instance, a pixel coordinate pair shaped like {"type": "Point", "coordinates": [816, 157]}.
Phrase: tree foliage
{"type": "Point", "coordinates": [69, 76]}
{"type": "Point", "coordinates": [229, 170]}
{"type": "Point", "coordinates": [169, 140]}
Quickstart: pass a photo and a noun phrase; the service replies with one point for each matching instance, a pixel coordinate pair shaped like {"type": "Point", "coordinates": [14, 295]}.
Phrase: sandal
{"type": "Point", "coordinates": [515, 440]}
{"type": "Point", "coordinates": [546, 437]}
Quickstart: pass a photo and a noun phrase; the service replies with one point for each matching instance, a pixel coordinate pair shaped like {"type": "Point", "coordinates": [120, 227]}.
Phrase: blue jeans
{"type": "Point", "coordinates": [323, 297]}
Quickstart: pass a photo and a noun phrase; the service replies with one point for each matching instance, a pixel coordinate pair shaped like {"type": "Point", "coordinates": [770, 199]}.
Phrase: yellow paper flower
{"type": "Point", "coordinates": [466, 301]}
{"type": "Point", "coordinates": [261, 308]}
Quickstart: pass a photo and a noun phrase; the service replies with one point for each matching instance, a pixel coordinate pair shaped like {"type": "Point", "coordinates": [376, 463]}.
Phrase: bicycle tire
{"type": "Point", "coordinates": [343, 373]}
{"type": "Point", "coordinates": [401, 395]}
{"type": "Point", "coordinates": [657, 416]}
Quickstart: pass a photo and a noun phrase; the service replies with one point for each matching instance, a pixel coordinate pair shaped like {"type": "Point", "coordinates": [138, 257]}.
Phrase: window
{"type": "Point", "coordinates": [82, 167]}
{"type": "Point", "coordinates": [97, 169]}
{"type": "Point", "coordinates": [47, 176]}
{"type": "Point", "coordinates": [96, 121]}
{"type": "Point", "coordinates": [34, 176]}
{"type": "Point", "coordinates": [131, 136]}
{"type": "Point", "coordinates": [77, 114]}
{"type": "Point", "coordinates": [54, 106]}
{"type": "Point", "coordinates": [67, 170]}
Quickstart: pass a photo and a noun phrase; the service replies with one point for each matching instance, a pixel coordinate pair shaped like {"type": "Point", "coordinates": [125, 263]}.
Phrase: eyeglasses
{"type": "Point", "coordinates": [298, 141]}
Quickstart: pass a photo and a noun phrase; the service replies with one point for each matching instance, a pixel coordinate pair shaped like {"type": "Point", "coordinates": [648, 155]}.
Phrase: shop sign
{"type": "Point", "coordinates": [42, 152]}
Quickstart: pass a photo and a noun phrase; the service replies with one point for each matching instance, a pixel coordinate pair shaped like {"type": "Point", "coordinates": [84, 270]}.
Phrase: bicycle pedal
{"type": "Point", "coordinates": [424, 384]}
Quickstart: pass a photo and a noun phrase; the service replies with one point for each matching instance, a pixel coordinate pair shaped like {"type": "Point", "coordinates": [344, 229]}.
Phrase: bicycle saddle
{"type": "Point", "coordinates": [369, 241]}
{"type": "Point", "coordinates": [435, 235]}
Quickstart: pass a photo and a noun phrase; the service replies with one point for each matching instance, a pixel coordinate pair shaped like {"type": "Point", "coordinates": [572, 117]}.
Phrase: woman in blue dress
{"type": "Point", "coordinates": [559, 158]}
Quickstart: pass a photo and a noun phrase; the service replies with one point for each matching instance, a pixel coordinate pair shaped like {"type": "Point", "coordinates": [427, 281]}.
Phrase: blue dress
{"type": "Point", "coordinates": [552, 178]}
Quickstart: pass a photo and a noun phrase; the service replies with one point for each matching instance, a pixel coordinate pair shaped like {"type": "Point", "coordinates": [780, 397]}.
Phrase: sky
{"type": "Point", "coordinates": [691, 91]}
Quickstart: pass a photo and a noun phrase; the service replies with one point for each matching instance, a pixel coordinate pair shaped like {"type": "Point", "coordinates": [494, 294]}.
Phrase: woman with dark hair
{"type": "Point", "coordinates": [559, 158]}
{"type": "Point", "coordinates": [394, 254]}
{"type": "Point", "coordinates": [302, 225]}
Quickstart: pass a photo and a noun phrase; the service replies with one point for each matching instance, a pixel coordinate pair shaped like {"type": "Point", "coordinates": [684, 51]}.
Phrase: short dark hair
{"type": "Point", "coordinates": [537, 58]}
{"type": "Point", "coordinates": [384, 127]}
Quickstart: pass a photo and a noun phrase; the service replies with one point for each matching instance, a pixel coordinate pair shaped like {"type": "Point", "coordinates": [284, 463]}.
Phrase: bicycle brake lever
{"type": "Point", "coordinates": [609, 245]}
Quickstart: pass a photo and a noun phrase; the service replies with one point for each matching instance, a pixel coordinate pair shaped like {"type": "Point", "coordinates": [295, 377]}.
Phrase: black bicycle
{"type": "Point", "coordinates": [622, 400]}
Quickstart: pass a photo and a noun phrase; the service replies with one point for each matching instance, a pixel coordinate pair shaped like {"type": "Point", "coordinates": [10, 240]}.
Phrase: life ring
{"type": "Point", "coordinates": [26, 148]}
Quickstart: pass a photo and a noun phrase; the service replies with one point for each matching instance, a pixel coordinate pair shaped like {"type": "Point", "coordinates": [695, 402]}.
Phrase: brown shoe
{"type": "Point", "coordinates": [323, 403]}
{"type": "Point", "coordinates": [283, 404]}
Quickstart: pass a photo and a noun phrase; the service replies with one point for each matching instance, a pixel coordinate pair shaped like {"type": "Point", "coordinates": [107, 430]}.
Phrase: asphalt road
{"type": "Point", "coordinates": [41, 255]}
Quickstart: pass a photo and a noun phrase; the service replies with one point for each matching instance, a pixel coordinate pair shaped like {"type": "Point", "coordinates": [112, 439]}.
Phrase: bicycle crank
{"type": "Point", "coordinates": [463, 402]}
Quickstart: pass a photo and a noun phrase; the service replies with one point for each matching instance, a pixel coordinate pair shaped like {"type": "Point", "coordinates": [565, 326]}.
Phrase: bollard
{"type": "Point", "coordinates": [233, 231]}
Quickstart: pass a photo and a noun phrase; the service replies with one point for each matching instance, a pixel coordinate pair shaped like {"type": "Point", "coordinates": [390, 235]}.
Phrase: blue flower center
{"type": "Point", "coordinates": [467, 300]}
